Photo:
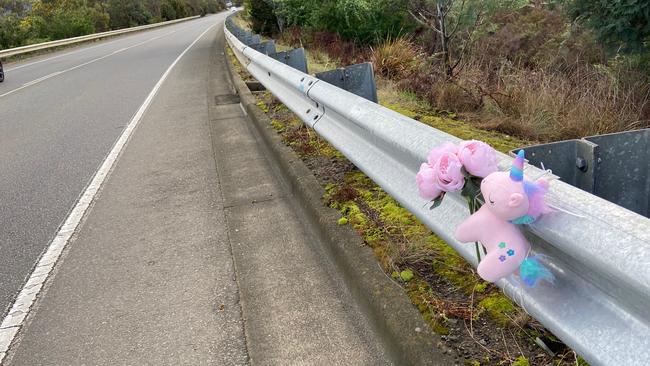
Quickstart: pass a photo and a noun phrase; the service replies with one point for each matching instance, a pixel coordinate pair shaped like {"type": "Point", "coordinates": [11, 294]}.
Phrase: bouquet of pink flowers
{"type": "Point", "coordinates": [451, 168]}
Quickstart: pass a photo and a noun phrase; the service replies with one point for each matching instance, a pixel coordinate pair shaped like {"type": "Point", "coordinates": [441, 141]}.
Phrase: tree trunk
{"type": "Point", "coordinates": [444, 39]}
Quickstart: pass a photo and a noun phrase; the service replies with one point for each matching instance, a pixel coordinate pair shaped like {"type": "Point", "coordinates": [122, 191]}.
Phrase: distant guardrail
{"type": "Point", "coordinates": [600, 255]}
{"type": "Point", "coordinates": [68, 41]}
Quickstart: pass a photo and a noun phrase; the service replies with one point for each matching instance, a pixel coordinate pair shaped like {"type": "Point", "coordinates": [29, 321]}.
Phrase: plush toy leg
{"type": "Point", "coordinates": [500, 263]}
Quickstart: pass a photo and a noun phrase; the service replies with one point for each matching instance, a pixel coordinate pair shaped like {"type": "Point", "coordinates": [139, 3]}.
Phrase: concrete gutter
{"type": "Point", "coordinates": [405, 333]}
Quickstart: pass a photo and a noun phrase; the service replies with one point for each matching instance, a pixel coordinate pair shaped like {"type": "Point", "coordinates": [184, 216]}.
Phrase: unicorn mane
{"type": "Point", "coordinates": [536, 204]}
{"type": "Point", "coordinates": [535, 191]}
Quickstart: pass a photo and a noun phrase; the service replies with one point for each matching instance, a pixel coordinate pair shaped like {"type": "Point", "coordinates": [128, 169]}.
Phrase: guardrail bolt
{"type": "Point", "coordinates": [581, 164]}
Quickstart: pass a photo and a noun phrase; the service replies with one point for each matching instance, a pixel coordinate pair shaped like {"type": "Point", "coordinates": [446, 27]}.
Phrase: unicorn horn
{"type": "Point", "coordinates": [517, 170]}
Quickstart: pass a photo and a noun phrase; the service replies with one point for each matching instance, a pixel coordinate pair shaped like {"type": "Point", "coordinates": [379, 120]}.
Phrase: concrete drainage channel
{"type": "Point", "coordinates": [406, 338]}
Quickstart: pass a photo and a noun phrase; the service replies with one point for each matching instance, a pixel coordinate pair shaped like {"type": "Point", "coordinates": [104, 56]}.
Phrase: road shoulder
{"type": "Point", "coordinates": [148, 278]}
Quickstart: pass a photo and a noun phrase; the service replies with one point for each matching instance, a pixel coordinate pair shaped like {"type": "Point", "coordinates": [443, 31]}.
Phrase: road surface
{"type": "Point", "coordinates": [60, 114]}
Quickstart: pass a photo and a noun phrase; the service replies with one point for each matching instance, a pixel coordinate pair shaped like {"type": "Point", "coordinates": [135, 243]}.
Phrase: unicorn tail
{"type": "Point", "coordinates": [532, 270]}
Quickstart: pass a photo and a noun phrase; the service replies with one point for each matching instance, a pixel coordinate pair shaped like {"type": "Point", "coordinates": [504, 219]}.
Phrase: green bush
{"type": "Point", "coordinates": [25, 22]}
{"type": "Point", "coordinates": [361, 21]}
{"type": "Point", "coordinates": [167, 11]}
{"type": "Point", "coordinates": [622, 25]}
{"type": "Point", "coordinates": [262, 16]}
{"type": "Point", "coordinates": [11, 34]}
{"type": "Point", "coordinates": [127, 13]}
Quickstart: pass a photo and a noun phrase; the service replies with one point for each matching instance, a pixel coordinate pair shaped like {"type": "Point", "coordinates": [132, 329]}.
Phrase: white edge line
{"type": "Point", "coordinates": [20, 309]}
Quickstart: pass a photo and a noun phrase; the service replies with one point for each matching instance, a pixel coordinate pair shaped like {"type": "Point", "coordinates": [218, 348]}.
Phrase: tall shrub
{"type": "Point", "coordinates": [622, 25]}
{"type": "Point", "coordinates": [262, 15]}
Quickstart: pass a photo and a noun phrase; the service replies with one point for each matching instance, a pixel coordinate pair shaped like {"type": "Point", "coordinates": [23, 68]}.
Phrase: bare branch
{"type": "Point", "coordinates": [453, 31]}
{"type": "Point", "coordinates": [424, 20]}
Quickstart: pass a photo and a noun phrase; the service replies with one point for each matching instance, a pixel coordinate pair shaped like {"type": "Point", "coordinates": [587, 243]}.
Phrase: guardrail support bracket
{"type": "Point", "coordinates": [295, 58]}
{"type": "Point", "coordinates": [614, 166]}
{"type": "Point", "coordinates": [358, 79]}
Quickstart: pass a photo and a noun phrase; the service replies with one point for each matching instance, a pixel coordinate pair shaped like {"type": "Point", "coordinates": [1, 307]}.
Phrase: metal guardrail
{"type": "Point", "coordinates": [600, 254]}
{"type": "Point", "coordinates": [612, 166]}
{"type": "Point", "coordinates": [63, 42]}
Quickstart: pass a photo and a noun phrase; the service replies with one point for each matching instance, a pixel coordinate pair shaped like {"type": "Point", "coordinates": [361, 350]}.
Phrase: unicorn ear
{"type": "Point", "coordinates": [517, 169]}
{"type": "Point", "coordinates": [515, 200]}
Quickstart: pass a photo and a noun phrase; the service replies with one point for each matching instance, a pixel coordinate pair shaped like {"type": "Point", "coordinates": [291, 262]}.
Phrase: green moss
{"type": "Point", "coordinates": [473, 363]}
{"type": "Point", "coordinates": [360, 223]}
{"type": "Point", "coordinates": [520, 361]}
{"type": "Point", "coordinates": [399, 222]}
{"type": "Point", "coordinates": [261, 105]}
{"type": "Point", "coordinates": [499, 307]}
{"type": "Point", "coordinates": [343, 221]}
{"type": "Point", "coordinates": [236, 65]}
{"type": "Point", "coordinates": [450, 265]}
{"type": "Point", "coordinates": [406, 275]}
{"type": "Point", "coordinates": [277, 125]}
{"type": "Point", "coordinates": [323, 148]}
{"type": "Point", "coordinates": [480, 287]}
{"type": "Point", "coordinates": [420, 294]}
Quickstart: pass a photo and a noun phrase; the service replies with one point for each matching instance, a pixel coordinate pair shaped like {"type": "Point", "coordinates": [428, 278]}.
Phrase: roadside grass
{"type": "Point", "coordinates": [547, 98]}
{"type": "Point", "coordinates": [453, 300]}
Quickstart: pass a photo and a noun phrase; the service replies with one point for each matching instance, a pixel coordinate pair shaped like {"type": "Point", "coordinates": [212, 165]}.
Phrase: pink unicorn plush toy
{"type": "Point", "coordinates": [509, 200]}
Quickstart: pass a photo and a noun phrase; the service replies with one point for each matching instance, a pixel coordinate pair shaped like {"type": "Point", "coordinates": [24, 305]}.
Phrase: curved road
{"type": "Point", "coordinates": [60, 114]}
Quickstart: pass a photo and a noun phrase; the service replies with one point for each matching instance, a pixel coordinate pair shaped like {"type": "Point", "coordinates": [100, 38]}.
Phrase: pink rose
{"type": "Point", "coordinates": [479, 158]}
{"type": "Point", "coordinates": [437, 152]}
{"type": "Point", "coordinates": [448, 175]}
{"type": "Point", "coordinates": [427, 183]}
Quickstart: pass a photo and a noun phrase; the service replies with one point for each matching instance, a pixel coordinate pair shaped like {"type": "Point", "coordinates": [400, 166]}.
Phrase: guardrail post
{"type": "Point", "coordinates": [614, 166]}
{"type": "Point", "coordinates": [295, 58]}
{"type": "Point", "coordinates": [246, 37]}
{"type": "Point", "coordinates": [264, 47]}
{"type": "Point", "coordinates": [358, 79]}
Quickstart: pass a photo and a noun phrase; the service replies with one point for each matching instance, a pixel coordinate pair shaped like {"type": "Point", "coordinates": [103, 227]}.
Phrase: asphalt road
{"type": "Point", "coordinates": [60, 114]}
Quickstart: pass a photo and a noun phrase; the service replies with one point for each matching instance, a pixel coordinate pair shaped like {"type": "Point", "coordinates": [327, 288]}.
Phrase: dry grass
{"type": "Point", "coordinates": [546, 105]}
{"type": "Point", "coordinates": [533, 78]}
{"type": "Point", "coordinates": [395, 57]}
